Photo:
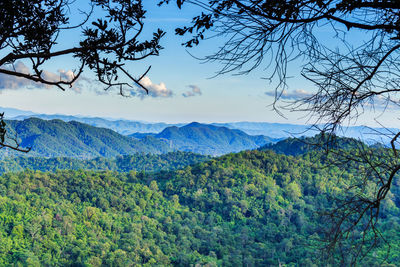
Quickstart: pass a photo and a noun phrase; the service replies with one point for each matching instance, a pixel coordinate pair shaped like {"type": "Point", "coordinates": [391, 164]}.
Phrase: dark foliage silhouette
{"type": "Point", "coordinates": [111, 36]}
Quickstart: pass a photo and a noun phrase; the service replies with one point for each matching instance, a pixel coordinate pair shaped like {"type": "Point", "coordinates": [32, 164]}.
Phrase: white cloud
{"type": "Point", "coordinates": [155, 90]}
{"type": "Point", "coordinates": [63, 75]}
{"type": "Point", "coordinates": [195, 91]}
{"type": "Point", "coordinates": [382, 102]}
{"type": "Point", "coordinates": [15, 83]}
{"type": "Point", "coordinates": [293, 95]}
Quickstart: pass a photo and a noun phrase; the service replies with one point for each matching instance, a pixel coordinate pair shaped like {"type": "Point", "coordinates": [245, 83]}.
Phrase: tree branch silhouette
{"type": "Point", "coordinates": [30, 31]}
{"type": "Point", "coordinates": [348, 76]}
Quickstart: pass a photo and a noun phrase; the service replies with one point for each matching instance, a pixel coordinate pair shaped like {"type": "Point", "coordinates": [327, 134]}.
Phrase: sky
{"type": "Point", "coordinates": [183, 87]}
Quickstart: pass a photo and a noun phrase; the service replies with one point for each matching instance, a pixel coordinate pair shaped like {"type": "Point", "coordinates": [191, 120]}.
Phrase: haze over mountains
{"type": "Point", "coordinates": [124, 127]}
{"type": "Point", "coordinates": [56, 138]}
{"type": "Point", "coordinates": [272, 130]}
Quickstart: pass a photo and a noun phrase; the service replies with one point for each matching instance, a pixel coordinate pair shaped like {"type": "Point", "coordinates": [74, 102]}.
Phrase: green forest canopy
{"type": "Point", "coordinates": [250, 208]}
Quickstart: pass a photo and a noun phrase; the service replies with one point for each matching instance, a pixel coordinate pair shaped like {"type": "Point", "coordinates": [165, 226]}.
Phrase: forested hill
{"type": "Point", "coordinates": [209, 139]}
{"type": "Point", "coordinates": [302, 145]}
{"type": "Point", "coordinates": [253, 208]}
{"type": "Point", "coordinates": [56, 138]}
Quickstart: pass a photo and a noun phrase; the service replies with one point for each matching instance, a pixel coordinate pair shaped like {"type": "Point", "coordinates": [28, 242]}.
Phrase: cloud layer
{"type": "Point", "coordinates": [292, 95]}
{"type": "Point", "coordinates": [14, 82]}
{"type": "Point", "coordinates": [195, 91]}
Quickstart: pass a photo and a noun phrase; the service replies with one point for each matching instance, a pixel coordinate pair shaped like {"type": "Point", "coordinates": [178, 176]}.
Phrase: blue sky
{"type": "Point", "coordinates": [186, 91]}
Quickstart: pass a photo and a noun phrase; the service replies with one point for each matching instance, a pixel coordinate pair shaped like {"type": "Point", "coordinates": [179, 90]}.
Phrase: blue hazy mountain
{"type": "Point", "coordinates": [273, 130]}
{"type": "Point", "coordinates": [124, 127]}
{"type": "Point", "coordinates": [13, 112]}
{"type": "Point", "coordinates": [282, 130]}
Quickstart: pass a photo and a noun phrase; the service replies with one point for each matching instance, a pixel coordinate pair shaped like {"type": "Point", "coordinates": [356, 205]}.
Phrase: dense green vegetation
{"type": "Point", "coordinates": [136, 162]}
{"type": "Point", "coordinates": [56, 138]}
{"type": "Point", "coordinates": [254, 208]}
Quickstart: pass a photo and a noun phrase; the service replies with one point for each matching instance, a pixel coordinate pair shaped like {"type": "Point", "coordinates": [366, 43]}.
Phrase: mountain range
{"type": "Point", "coordinates": [56, 138]}
{"type": "Point", "coordinates": [124, 127]}
{"type": "Point", "coordinates": [273, 130]}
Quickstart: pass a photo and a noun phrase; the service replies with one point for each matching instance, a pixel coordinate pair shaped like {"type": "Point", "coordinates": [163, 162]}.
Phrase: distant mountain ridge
{"type": "Point", "coordinates": [55, 138]}
{"type": "Point", "coordinates": [273, 130]}
{"type": "Point", "coordinates": [124, 127]}
{"type": "Point", "coordinates": [13, 112]}
{"type": "Point", "coordinates": [209, 139]}
{"type": "Point", "coordinates": [368, 135]}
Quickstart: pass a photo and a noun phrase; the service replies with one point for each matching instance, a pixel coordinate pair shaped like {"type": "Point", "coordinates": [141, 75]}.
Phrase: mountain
{"type": "Point", "coordinates": [55, 138]}
{"type": "Point", "coordinates": [210, 139]}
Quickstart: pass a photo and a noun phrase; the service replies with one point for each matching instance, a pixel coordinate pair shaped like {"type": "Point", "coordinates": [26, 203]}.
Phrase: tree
{"type": "Point", "coordinates": [348, 77]}
{"type": "Point", "coordinates": [111, 32]}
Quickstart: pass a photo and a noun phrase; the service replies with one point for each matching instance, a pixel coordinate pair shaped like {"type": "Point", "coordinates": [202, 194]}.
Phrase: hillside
{"type": "Point", "coordinates": [303, 145]}
{"type": "Point", "coordinates": [209, 139]}
{"type": "Point", "coordinates": [254, 208]}
{"type": "Point", "coordinates": [56, 138]}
